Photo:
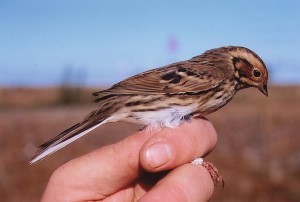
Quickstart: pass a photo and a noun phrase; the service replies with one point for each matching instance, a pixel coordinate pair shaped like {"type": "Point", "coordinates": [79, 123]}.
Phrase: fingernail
{"type": "Point", "coordinates": [158, 154]}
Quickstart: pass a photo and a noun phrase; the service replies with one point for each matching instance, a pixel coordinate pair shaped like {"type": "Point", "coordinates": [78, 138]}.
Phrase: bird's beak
{"type": "Point", "coordinates": [264, 89]}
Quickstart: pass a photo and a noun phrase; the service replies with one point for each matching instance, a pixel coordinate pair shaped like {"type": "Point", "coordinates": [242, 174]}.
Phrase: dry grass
{"type": "Point", "coordinates": [258, 151]}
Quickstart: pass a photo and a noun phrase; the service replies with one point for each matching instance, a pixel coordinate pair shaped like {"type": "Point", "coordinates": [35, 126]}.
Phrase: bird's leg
{"type": "Point", "coordinates": [187, 118]}
{"type": "Point", "coordinates": [213, 171]}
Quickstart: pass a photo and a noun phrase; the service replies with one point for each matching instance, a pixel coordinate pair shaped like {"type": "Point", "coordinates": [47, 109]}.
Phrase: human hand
{"type": "Point", "coordinates": [146, 166]}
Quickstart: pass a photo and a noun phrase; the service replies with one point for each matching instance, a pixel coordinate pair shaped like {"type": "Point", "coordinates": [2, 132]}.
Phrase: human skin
{"type": "Point", "coordinates": [149, 165]}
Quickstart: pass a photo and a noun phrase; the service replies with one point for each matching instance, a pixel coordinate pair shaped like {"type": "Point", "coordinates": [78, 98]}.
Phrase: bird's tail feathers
{"type": "Point", "coordinates": [66, 137]}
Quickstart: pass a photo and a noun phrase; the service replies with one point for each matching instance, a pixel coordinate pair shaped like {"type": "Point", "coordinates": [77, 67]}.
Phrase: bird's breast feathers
{"type": "Point", "coordinates": [165, 117]}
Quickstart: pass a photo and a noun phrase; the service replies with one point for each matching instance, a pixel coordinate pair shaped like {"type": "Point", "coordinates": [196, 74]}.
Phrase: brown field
{"type": "Point", "coordinates": [258, 150]}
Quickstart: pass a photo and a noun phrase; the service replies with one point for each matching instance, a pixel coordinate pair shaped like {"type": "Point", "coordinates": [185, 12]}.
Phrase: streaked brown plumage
{"type": "Point", "coordinates": [169, 95]}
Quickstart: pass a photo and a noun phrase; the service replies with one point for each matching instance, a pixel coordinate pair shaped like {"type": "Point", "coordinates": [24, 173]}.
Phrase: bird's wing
{"type": "Point", "coordinates": [178, 78]}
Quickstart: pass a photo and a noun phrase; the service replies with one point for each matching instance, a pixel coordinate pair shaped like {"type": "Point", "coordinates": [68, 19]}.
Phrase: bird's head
{"type": "Point", "coordinates": [249, 68]}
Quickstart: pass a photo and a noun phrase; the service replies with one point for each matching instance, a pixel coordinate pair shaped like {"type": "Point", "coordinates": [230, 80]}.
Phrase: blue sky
{"type": "Point", "coordinates": [99, 42]}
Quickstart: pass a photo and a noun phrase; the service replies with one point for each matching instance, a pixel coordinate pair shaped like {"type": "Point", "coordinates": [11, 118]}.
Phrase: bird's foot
{"type": "Point", "coordinates": [213, 171]}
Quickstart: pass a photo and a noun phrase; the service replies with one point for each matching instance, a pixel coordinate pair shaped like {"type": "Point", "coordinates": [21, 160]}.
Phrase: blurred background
{"type": "Point", "coordinates": [54, 54]}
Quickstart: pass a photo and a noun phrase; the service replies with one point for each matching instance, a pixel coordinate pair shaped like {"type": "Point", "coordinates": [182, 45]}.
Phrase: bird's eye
{"type": "Point", "coordinates": [256, 73]}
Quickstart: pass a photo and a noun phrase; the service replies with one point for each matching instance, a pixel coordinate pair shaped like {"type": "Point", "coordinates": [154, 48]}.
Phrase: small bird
{"type": "Point", "coordinates": [172, 94]}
